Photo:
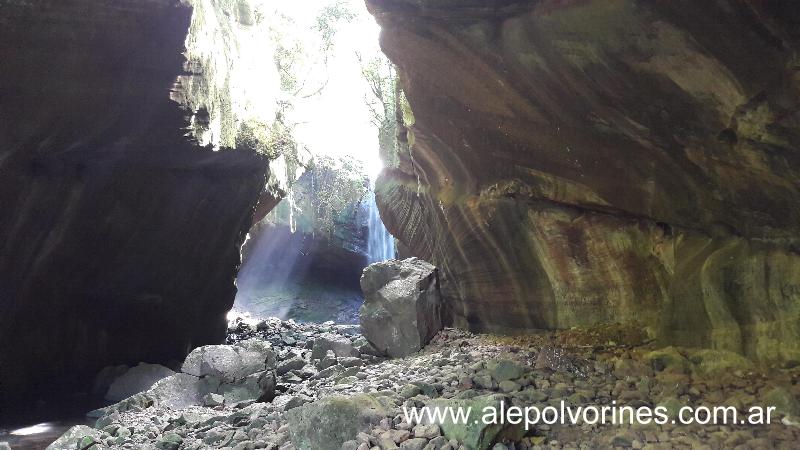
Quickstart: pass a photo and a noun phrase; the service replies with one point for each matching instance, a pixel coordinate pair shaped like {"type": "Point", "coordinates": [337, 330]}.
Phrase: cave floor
{"type": "Point", "coordinates": [303, 301]}
{"type": "Point", "coordinates": [579, 367]}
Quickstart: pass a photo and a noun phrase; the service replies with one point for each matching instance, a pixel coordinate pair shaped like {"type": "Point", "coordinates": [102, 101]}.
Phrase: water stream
{"type": "Point", "coordinates": [380, 244]}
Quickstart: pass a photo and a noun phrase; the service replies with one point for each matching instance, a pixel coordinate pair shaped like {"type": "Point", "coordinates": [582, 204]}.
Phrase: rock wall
{"type": "Point", "coordinates": [119, 235]}
{"type": "Point", "coordinates": [577, 162]}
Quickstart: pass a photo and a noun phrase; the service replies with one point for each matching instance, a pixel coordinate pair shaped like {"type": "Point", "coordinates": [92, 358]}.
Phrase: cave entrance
{"type": "Point", "coordinates": [321, 112]}
{"type": "Point", "coordinates": [303, 261]}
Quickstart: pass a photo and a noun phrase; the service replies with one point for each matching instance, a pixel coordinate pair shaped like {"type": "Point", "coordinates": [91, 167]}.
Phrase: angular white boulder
{"type": "Point", "coordinates": [339, 345]}
{"type": "Point", "coordinates": [135, 380]}
{"type": "Point", "coordinates": [76, 437]}
{"type": "Point", "coordinates": [230, 363]}
{"type": "Point", "coordinates": [402, 306]}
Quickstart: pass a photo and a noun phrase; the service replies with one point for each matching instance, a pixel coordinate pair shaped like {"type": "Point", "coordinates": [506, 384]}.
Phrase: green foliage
{"type": "Point", "coordinates": [381, 76]}
{"type": "Point", "coordinates": [328, 20]}
{"type": "Point", "coordinates": [337, 187]}
{"type": "Point", "coordinates": [301, 64]}
{"type": "Point", "coordinates": [287, 57]}
{"type": "Point", "coordinates": [326, 199]}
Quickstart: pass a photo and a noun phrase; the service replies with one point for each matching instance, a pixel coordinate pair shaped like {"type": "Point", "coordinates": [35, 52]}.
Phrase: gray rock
{"type": "Point", "coordinates": [508, 386]}
{"type": "Point", "coordinates": [339, 345]}
{"type": "Point", "coordinates": [328, 361]}
{"type": "Point", "coordinates": [259, 386]}
{"type": "Point", "coordinates": [410, 390]}
{"type": "Point", "coordinates": [437, 443]}
{"type": "Point", "coordinates": [427, 431]}
{"type": "Point", "coordinates": [475, 434]}
{"type": "Point", "coordinates": [325, 373]}
{"type": "Point", "coordinates": [414, 444]}
{"type": "Point", "coordinates": [326, 424]}
{"type": "Point", "coordinates": [135, 380]}
{"type": "Point", "coordinates": [230, 363]}
{"type": "Point", "coordinates": [484, 381]}
{"type": "Point", "coordinates": [76, 437]}
{"type": "Point", "coordinates": [104, 379]}
{"type": "Point", "coordinates": [369, 349]}
{"type": "Point", "coordinates": [350, 445]}
{"type": "Point", "coordinates": [397, 436]}
{"type": "Point", "coordinates": [213, 400]}
{"type": "Point", "coordinates": [287, 366]}
{"type": "Point", "coordinates": [297, 401]}
{"type": "Point", "coordinates": [386, 443]}
{"type": "Point", "coordinates": [106, 420]}
{"type": "Point", "coordinates": [351, 362]}
{"type": "Point", "coordinates": [402, 306]}
{"type": "Point", "coordinates": [182, 390]}
{"type": "Point", "coordinates": [170, 441]}
{"type": "Point", "coordinates": [505, 370]}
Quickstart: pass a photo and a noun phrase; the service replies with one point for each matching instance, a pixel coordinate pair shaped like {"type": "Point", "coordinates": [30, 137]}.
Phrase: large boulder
{"type": "Point", "coordinates": [240, 372]}
{"type": "Point", "coordinates": [259, 386]}
{"type": "Point", "coordinates": [77, 437]}
{"type": "Point", "coordinates": [244, 371]}
{"type": "Point", "coordinates": [106, 377]}
{"type": "Point", "coordinates": [474, 433]}
{"type": "Point", "coordinates": [182, 390]}
{"type": "Point", "coordinates": [338, 344]}
{"type": "Point", "coordinates": [135, 380]}
{"type": "Point", "coordinates": [326, 424]}
{"type": "Point", "coordinates": [402, 305]}
{"type": "Point", "coordinates": [230, 363]}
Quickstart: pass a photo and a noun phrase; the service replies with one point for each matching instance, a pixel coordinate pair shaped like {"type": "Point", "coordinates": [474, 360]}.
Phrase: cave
{"type": "Point", "coordinates": [295, 225]}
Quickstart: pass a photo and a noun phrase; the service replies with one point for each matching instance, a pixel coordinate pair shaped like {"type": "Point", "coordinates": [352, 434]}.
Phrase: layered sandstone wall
{"type": "Point", "coordinates": [578, 162]}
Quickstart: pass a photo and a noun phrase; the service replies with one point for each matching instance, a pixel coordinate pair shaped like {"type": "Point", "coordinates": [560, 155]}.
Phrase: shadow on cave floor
{"type": "Point", "coordinates": [303, 301]}
{"type": "Point", "coordinates": [35, 425]}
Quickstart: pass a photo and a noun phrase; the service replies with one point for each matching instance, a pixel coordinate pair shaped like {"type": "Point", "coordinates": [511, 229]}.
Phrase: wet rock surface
{"type": "Point", "coordinates": [356, 401]}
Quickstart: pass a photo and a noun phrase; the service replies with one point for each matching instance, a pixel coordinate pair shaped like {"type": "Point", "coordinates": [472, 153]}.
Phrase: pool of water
{"type": "Point", "coordinates": [35, 425]}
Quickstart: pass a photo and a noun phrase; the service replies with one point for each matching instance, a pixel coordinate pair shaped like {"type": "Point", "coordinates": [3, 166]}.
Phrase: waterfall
{"type": "Point", "coordinates": [380, 244]}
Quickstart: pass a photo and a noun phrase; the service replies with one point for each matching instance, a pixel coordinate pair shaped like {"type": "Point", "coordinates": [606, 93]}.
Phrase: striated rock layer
{"type": "Point", "coordinates": [569, 163]}
{"type": "Point", "coordinates": [119, 236]}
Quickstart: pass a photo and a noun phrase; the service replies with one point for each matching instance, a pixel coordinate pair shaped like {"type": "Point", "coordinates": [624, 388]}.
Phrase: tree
{"type": "Point", "coordinates": [381, 77]}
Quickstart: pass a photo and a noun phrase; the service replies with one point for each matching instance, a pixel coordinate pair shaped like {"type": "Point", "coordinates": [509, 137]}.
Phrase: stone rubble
{"type": "Point", "coordinates": [329, 395]}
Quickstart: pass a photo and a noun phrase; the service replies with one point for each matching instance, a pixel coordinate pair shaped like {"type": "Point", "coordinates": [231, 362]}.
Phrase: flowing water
{"type": "Point", "coordinates": [380, 244]}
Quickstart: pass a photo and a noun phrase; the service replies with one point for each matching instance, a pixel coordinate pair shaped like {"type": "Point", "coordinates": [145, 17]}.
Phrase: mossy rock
{"type": "Point", "coordinates": [78, 436]}
{"type": "Point", "coordinates": [717, 362]}
{"type": "Point", "coordinates": [475, 434]}
{"type": "Point", "coordinates": [668, 359]}
{"type": "Point", "coordinates": [504, 370]}
{"type": "Point", "coordinates": [326, 424]}
{"type": "Point", "coordinates": [673, 406]}
{"type": "Point", "coordinates": [783, 400]}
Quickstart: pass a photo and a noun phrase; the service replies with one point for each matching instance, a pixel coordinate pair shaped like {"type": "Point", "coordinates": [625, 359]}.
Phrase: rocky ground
{"type": "Point", "coordinates": [321, 388]}
{"type": "Point", "coordinates": [302, 300]}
